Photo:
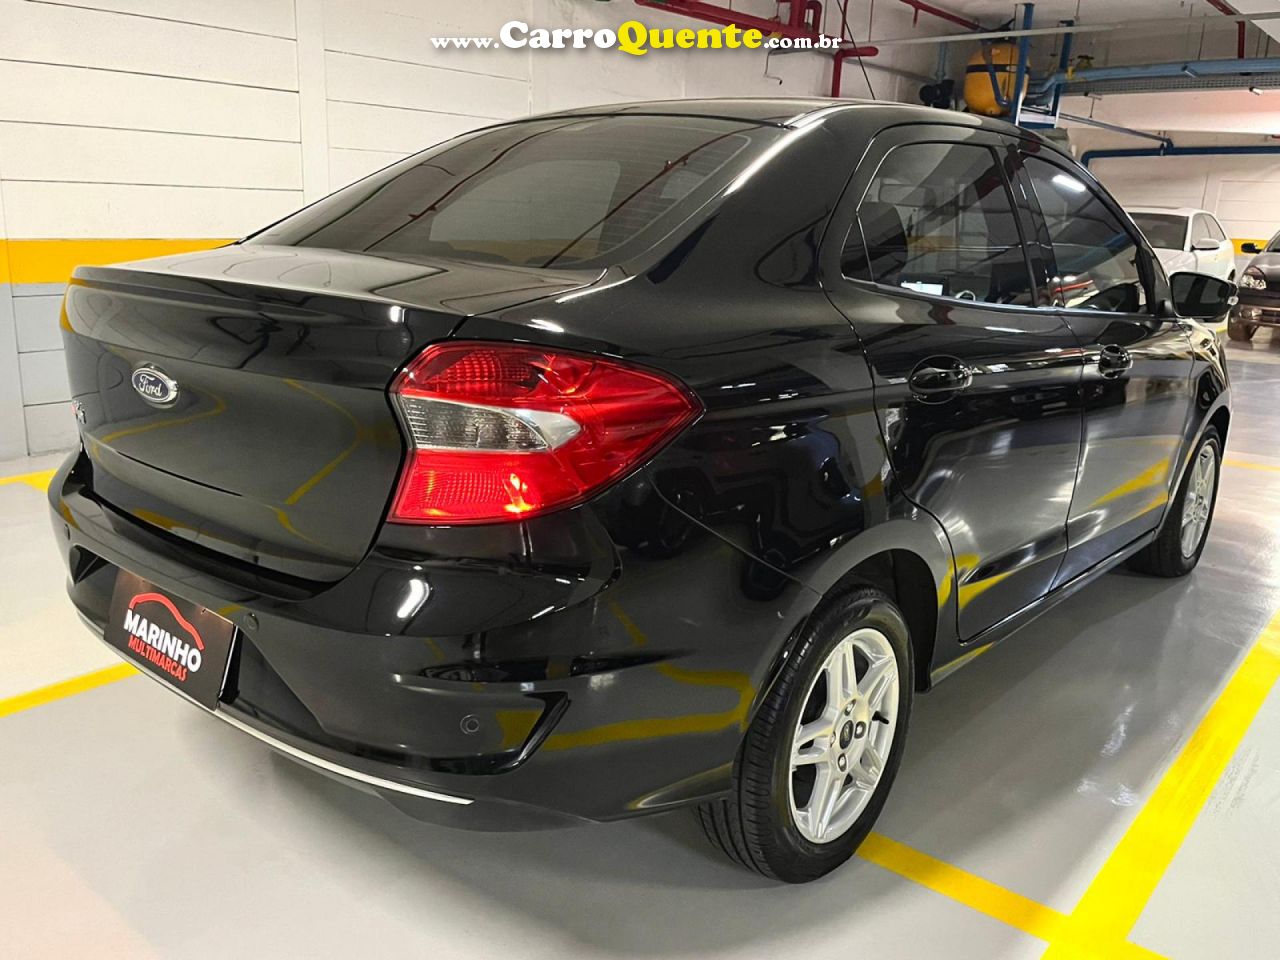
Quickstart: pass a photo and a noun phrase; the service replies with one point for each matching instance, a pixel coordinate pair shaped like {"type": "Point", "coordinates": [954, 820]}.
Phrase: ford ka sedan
{"type": "Point", "coordinates": [634, 458]}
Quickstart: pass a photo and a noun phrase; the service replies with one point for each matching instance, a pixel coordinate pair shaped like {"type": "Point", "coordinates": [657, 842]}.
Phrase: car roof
{"type": "Point", "coordinates": [794, 111]}
{"type": "Point", "coordinates": [1172, 211]}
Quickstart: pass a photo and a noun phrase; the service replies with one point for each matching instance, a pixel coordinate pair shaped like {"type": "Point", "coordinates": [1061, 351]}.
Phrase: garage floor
{"type": "Point", "coordinates": [1108, 779]}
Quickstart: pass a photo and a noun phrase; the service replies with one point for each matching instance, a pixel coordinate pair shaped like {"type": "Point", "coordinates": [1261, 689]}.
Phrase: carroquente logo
{"type": "Point", "coordinates": [632, 37]}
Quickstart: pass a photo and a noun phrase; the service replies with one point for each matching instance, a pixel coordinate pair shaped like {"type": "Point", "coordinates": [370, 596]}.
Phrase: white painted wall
{"type": "Point", "coordinates": [210, 118]}
{"type": "Point", "coordinates": [1213, 111]}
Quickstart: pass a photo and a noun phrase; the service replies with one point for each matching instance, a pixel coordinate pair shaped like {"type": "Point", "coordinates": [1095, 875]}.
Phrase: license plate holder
{"type": "Point", "coordinates": [180, 642]}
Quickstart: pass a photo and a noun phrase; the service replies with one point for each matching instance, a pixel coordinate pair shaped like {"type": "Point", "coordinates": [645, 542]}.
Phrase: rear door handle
{"type": "Point", "coordinates": [1114, 360]}
{"type": "Point", "coordinates": [936, 378]}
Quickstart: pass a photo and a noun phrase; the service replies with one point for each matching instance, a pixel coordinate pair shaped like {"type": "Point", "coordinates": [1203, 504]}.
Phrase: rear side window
{"type": "Point", "coordinates": [566, 192]}
{"type": "Point", "coordinates": [937, 218]}
{"type": "Point", "coordinates": [1167, 231]}
{"type": "Point", "coordinates": [1096, 258]}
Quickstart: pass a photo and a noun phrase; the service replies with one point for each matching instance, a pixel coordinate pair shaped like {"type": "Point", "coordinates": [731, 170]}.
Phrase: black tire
{"type": "Point", "coordinates": [1164, 556]}
{"type": "Point", "coordinates": [1240, 331]}
{"type": "Point", "coordinates": [753, 825]}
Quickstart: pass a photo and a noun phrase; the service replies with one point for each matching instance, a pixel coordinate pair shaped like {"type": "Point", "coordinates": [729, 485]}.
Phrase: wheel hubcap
{"type": "Point", "coordinates": [1199, 500]}
{"type": "Point", "coordinates": [844, 735]}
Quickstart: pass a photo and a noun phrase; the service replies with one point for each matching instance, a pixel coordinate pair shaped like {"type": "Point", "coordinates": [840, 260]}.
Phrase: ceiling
{"type": "Point", "coordinates": [995, 12]}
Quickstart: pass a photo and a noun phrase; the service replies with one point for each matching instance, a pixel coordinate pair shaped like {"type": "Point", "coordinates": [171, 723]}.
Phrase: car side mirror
{"type": "Point", "coordinates": [1204, 244]}
{"type": "Point", "coordinates": [1250, 247]}
{"type": "Point", "coordinates": [1200, 296]}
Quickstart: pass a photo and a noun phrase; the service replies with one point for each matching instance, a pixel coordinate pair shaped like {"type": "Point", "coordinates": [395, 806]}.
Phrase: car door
{"type": "Point", "coordinates": [1136, 389]}
{"type": "Point", "coordinates": [1216, 261]}
{"type": "Point", "coordinates": [974, 386]}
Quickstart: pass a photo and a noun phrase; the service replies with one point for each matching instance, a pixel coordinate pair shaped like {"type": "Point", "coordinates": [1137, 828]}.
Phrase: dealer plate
{"type": "Point", "coordinates": [181, 642]}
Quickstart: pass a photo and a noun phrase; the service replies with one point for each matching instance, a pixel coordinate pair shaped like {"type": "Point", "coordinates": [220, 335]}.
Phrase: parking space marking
{"type": "Point", "coordinates": [65, 688]}
{"type": "Point", "coordinates": [1119, 893]}
{"type": "Point", "coordinates": [39, 480]}
{"type": "Point", "coordinates": [976, 893]}
{"type": "Point", "coordinates": [1249, 465]}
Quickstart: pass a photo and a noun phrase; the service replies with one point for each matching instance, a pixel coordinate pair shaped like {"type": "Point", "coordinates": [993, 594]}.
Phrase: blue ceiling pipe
{"type": "Point", "coordinates": [1183, 68]}
{"type": "Point", "coordinates": [1091, 155]}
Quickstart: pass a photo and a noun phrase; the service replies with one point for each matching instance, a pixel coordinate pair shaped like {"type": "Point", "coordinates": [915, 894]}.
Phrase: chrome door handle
{"type": "Point", "coordinates": [930, 380]}
{"type": "Point", "coordinates": [1114, 360]}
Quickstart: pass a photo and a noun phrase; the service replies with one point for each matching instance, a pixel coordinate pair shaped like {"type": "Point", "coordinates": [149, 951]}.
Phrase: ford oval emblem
{"type": "Point", "coordinates": [154, 386]}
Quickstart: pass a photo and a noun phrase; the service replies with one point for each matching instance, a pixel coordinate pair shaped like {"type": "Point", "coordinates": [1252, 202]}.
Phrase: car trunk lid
{"type": "Point", "coordinates": [237, 398]}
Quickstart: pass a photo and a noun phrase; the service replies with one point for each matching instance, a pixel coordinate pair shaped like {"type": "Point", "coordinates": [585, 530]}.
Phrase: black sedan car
{"type": "Point", "coordinates": [1259, 304]}
{"type": "Point", "coordinates": [638, 457]}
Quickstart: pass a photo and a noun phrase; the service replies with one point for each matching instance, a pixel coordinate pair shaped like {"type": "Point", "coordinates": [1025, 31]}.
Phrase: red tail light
{"type": "Point", "coordinates": [505, 431]}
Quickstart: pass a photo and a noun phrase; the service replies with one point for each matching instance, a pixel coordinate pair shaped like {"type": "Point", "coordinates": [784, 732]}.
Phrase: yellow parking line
{"type": "Point", "coordinates": [979, 894]}
{"type": "Point", "coordinates": [1249, 465]}
{"type": "Point", "coordinates": [40, 479]}
{"type": "Point", "coordinates": [66, 688]}
{"type": "Point", "coordinates": [973, 891]}
{"type": "Point", "coordinates": [1119, 893]}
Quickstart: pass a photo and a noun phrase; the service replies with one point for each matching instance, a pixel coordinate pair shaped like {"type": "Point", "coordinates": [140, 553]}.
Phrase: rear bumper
{"type": "Point", "coordinates": [378, 779]}
{"type": "Point", "coordinates": [522, 694]}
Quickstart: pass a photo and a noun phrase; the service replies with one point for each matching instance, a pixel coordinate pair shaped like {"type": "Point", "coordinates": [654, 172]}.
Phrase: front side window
{"type": "Point", "coordinates": [1164, 231]}
{"type": "Point", "coordinates": [549, 193]}
{"type": "Point", "coordinates": [1096, 258]}
{"type": "Point", "coordinates": [937, 218]}
{"type": "Point", "coordinates": [1204, 230]}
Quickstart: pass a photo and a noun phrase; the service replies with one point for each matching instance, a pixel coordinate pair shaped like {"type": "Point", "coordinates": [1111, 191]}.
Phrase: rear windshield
{"type": "Point", "coordinates": [565, 192]}
{"type": "Point", "coordinates": [1165, 230]}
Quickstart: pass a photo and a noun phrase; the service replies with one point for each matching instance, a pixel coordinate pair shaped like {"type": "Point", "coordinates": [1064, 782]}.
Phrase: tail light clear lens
{"type": "Point", "coordinates": [500, 432]}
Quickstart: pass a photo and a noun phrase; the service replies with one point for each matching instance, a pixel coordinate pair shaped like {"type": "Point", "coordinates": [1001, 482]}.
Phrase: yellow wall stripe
{"type": "Point", "coordinates": [1119, 893]}
{"type": "Point", "coordinates": [67, 688]}
{"type": "Point", "coordinates": [51, 261]}
{"type": "Point", "coordinates": [1241, 241]}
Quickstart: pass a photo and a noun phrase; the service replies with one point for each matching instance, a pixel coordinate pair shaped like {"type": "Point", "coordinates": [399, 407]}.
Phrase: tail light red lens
{"type": "Point", "coordinates": [500, 432]}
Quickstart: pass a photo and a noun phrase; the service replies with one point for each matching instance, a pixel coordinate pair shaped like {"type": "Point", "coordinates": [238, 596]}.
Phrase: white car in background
{"type": "Point", "coordinates": [1186, 239]}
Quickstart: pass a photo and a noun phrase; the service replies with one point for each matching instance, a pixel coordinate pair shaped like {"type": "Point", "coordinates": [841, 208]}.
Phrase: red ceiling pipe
{"type": "Point", "coordinates": [1223, 7]}
{"type": "Point", "coordinates": [837, 66]}
{"type": "Point", "coordinates": [919, 6]}
{"type": "Point", "coordinates": [724, 16]}
{"type": "Point", "coordinates": [709, 13]}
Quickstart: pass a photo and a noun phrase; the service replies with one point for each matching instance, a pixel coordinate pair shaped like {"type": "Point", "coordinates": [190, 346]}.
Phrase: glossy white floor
{"type": "Point", "coordinates": [1067, 786]}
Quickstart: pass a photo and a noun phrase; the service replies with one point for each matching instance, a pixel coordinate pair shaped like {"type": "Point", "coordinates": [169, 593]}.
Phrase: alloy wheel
{"type": "Point", "coordinates": [843, 738]}
{"type": "Point", "coordinates": [1199, 500]}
